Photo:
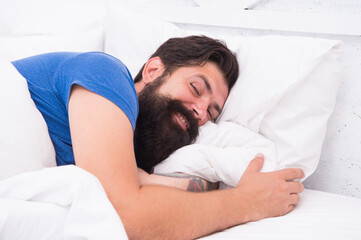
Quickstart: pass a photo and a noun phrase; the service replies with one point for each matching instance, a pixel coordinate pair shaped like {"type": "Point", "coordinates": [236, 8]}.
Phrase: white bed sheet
{"type": "Point", "coordinates": [319, 215]}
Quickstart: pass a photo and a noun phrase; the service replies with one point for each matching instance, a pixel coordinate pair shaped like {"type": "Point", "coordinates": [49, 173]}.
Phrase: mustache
{"type": "Point", "coordinates": [175, 106]}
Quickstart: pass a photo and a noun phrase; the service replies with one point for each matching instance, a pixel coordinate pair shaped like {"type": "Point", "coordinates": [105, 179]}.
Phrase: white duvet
{"type": "Point", "coordinates": [57, 203]}
{"type": "Point", "coordinates": [69, 203]}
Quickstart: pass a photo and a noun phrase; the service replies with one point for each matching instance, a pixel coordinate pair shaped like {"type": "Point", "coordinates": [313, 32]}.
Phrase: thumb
{"type": "Point", "coordinates": [256, 164]}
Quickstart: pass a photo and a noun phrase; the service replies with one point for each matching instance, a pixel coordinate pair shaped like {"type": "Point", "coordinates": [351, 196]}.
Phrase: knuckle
{"type": "Point", "coordinates": [288, 208]}
{"type": "Point", "coordinates": [297, 198]}
{"type": "Point", "coordinates": [297, 173]}
{"type": "Point", "coordinates": [301, 187]}
{"type": "Point", "coordinates": [291, 207]}
{"type": "Point", "coordinates": [301, 173]}
{"type": "Point", "coordinates": [283, 187]}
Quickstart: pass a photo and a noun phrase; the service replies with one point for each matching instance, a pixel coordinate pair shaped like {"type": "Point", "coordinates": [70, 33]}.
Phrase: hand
{"type": "Point", "coordinates": [270, 194]}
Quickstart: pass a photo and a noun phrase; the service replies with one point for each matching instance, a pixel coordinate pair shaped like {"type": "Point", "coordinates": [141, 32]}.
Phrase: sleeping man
{"type": "Point", "coordinates": [90, 104]}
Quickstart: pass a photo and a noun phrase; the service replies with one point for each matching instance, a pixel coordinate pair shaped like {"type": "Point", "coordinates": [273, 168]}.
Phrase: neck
{"type": "Point", "coordinates": [139, 86]}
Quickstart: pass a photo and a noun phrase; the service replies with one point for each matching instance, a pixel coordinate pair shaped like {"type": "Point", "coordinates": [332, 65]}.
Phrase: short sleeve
{"type": "Point", "coordinates": [102, 74]}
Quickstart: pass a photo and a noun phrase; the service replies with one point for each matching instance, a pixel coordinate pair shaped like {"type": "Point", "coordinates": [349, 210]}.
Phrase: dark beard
{"type": "Point", "coordinates": [157, 134]}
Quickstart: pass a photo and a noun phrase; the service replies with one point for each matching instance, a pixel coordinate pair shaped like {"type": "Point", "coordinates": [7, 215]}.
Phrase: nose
{"type": "Point", "coordinates": [200, 112]}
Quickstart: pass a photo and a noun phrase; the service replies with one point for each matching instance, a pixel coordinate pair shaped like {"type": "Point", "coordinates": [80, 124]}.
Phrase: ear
{"type": "Point", "coordinates": [153, 69]}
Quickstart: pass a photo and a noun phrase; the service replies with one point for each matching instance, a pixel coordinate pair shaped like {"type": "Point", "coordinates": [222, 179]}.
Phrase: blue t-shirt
{"type": "Point", "coordinates": [50, 78]}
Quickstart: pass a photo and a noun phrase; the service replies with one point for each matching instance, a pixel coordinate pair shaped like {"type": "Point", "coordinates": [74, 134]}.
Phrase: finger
{"type": "Point", "coordinates": [290, 173]}
{"type": "Point", "coordinates": [294, 198]}
{"type": "Point", "coordinates": [256, 164]}
{"type": "Point", "coordinates": [295, 187]}
{"type": "Point", "coordinates": [290, 208]}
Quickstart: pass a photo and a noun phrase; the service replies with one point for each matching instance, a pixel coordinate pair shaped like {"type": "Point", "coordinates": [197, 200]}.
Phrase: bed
{"type": "Point", "coordinates": [306, 89]}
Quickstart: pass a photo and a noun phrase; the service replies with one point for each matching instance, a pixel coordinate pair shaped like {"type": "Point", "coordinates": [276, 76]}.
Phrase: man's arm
{"type": "Point", "coordinates": [177, 180]}
{"type": "Point", "coordinates": [102, 138]}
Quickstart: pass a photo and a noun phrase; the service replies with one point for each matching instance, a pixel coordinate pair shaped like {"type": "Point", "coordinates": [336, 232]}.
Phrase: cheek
{"type": "Point", "coordinates": [173, 91]}
{"type": "Point", "coordinates": [179, 92]}
{"type": "Point", "coordinates": [187, 98]}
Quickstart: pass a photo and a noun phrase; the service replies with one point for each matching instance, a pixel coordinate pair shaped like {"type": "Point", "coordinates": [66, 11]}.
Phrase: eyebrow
{"type": "Point", "coordinates": [209, 90]}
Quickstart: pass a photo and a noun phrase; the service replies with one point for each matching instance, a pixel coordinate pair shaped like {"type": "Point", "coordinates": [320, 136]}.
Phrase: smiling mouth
{"type": "Point", "coordinates": [182, 121]}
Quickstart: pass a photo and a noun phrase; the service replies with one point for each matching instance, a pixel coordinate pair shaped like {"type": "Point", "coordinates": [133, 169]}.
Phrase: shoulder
{"type": "Point", "coordinates": [95, 65]}
{"type": "Point", "coordinates": [91, 56]}
{"type": "Point", "coordinates": [96, 60]}
{"type": "Point", "coordinates": [104, 75]}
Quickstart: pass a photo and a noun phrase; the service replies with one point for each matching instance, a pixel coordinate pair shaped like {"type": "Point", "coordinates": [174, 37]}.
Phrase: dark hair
{"type": "Point", "coordinates": [196, 51]}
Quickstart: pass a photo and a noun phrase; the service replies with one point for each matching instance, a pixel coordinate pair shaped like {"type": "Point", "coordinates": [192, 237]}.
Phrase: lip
{"type": "Point", "coordinates": [178, 117]}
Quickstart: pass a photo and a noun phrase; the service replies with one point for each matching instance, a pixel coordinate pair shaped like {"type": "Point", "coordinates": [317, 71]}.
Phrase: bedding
{"type": "Point", "coordinates": [77, 208]}
{"type": "Point", "coordinates": [212, 156]}
{"type": "Point", "coordinates": [57, 203]}
{"type": "Point", "coordinates": [286, 93]}
{"type": "Point", "coordinates": [25, 142]}
{"type": "Point", "coordinates": [319, 215]}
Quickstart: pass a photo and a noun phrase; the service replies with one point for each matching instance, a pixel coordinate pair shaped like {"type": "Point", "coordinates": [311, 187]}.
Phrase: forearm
{"type": "Point", "coordinates": [167, 213]}
{"type": "Point", "coordinates": [180, 181]}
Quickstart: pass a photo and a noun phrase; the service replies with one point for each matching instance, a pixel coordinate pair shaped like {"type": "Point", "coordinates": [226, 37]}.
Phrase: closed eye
{"type": "Point", "coordinates": [210, 114]}
{"type": "Point", "coordinates": [195, 89]}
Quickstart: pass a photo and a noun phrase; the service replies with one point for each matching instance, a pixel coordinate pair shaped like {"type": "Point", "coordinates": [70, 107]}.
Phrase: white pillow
{"type": "Point", "coordinates": [276, 92]}
{"type": "Point", "coordinates": [25, 144]}
{"type": "Point", "coordinates": [287, 91]}
{"type": "Point", "coordinates": [12, 48]}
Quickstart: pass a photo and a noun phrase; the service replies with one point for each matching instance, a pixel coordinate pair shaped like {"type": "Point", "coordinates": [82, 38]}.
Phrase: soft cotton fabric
{"type": "Point", "coordinates": [50, 78]}
{"type": "Point", "coordinates": [63, 202]}
{"type": "Point", "coordinates": [78, 208]}
{"type": "Point", "coordinates": [25, 144]}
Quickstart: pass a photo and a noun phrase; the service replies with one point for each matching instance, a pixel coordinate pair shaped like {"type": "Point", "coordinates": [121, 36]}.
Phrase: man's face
{"type": "Point", "coordinates": [171, 108]}
{"type": "Point", "coordinates": [201, 89]}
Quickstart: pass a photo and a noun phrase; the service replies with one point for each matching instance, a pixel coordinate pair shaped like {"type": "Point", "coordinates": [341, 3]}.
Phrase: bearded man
{"type": "Point", "coordinates": [90, 104]}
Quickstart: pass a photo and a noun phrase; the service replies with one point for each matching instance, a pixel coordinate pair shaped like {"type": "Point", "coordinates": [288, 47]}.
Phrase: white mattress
{"type": "Point", "coordinates": [319, 215]}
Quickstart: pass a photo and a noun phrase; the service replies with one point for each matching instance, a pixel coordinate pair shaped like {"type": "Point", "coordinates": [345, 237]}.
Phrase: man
{"type": "Point", "coordinates": [90, 105]}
